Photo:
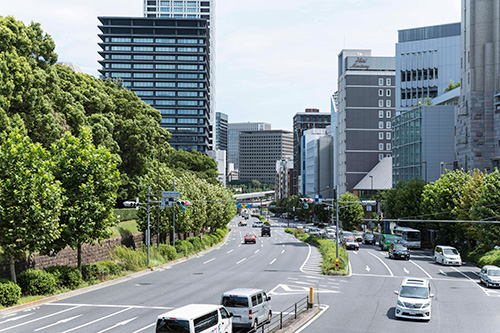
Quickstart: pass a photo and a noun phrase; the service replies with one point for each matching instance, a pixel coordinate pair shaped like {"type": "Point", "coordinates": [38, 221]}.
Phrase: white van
{"type": "Point", "coordinates": [248, 307]}
{"type": "Point", "coordinates": [196, 318]}
{"type": "Point", "coordinates": [447, 255]}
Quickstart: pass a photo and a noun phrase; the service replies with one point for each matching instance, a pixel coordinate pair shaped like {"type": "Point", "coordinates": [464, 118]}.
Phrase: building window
{"type": "Point", "coordinates": [381, 92]}
{"type": "Point", "coordinates": [388, 135]}
{"type": "Point", "coordinates": [380, 124]}
{"type": "Point", "coordinates": [380, 146]}
{"type": "Point", "coordinates": [388, 146]}
{"type": "Point", "coordinates": [165, 84]}
{"type": "Point", "coordinates": [380, 82]}
{"type": "Point", "coordinates": [380, 157]}
{"type": "Point", "coordinates": [388, 114]}
{"type": "Point", "coordinates": [381, 114]}
{"type": "Point", "coordinates": [165, 93]}
{"type": "Point", "coordinates": [387, 124]}
{"type": "Point", "coordinates": [388, 82]}
{"type": "Point", "coordinates": [381, 135]}
{"type": "Point", "coordinates": [381, 103]}
{"type": "Point", "coordinates": [388, 103]}
{"type": "Point", "coordinates": [388, 92]}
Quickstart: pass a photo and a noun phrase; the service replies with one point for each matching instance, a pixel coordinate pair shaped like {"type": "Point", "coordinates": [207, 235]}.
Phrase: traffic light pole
{"type": "Point", "coordinates": [173, 221]}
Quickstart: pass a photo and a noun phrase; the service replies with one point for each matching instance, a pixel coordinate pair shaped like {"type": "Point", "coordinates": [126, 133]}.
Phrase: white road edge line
{"type": "Point", "coordinates": [323, 310]}
{"type": "Point", "coordinates": [383, 263]}
{"type": "Point", "coordinates": [307, 258]}
{"type": "Point", "coordinates": [423, 270]}
{"type": "Point", "coordinates": [206, 262]}
{"type": "Point", "coordinates": [484, 291]}
{"type": "Point", "coordinates": [37, 319]}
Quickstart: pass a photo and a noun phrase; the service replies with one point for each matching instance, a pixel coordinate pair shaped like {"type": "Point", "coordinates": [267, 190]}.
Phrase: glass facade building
{"type": "Point", "coordinates": [167, 64]}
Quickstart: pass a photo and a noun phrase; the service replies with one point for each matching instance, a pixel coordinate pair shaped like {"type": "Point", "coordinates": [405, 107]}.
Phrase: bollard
{"type": "Point", "coordinates": [281, 320]}
{"type": "Point", "coordinates": [337, 265]}
{"type": "Point", "coordinates": [310, 302]}
{"type": "Point", "coordinates": [295, 310]}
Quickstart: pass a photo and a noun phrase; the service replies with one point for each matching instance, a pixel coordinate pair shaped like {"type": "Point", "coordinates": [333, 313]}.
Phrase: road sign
{"type": "Point", "coordinates": [170, 194]}
{"type": "Point", "coordinates": [167, 202]}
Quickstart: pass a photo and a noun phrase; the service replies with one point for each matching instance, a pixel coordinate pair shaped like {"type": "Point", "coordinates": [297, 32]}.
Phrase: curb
{"type": "Point", "coordinates": [302, 319]}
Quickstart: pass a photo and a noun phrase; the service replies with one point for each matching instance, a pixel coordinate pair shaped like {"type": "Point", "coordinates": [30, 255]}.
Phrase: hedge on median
{"type": "Point", "coordinates": [9, 293]}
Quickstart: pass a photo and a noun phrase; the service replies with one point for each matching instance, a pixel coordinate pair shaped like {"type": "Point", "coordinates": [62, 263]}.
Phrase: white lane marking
{"type": "Point", "coordinates": [306, 283]}
{"type": "Point", "coordinates": [38, 319]}
{"type": "Point", "coordinates": [206, 262]}
{"type": "Point", "coordinates": [272, 262]}
{"type": "Point", "coordinates": [123, 323]}
{"type": "Point", "coordinates": [313, 277]}
{"type": "Point", "coordinates": [239, 245]}
{"type": "Point", "coordinates": [230, 251]}
{"type": "Point", "coordinates": [282, 251]}
{"type": "Point", "coordinates": [355, 252]}
{"type": "Point", "coordinates": [307, 258]}
{"type": "Point", "coordinates": [261, 245]}
{"type": "Point", "coordinates": [406, 271]}
{"type": "Point", "coordinates": [441, 271]}
{"type": "Point", "coordinates": [16, 318]}
{"type": "Point", "coordinates": [111, 306]}
{"type": "Point", "coordinates": [95, 321]}
{"type": "Point", "coordinates": [423, 270]}
{"type": "Point", "coordinates": [383, 263]}
{"type": "Point", "coordinates": [291, 278]}
{"type": "Point", "coordinates": [62, 321]}
{"type": "Point", "coordinates": [283, 245]}
{"type": "Point", "coordinates": [367, 268]}
{"type": "Point", "coordinates": [144, 328]}
{"type": "Point", "coordinates": [256, 251]}
{"type": "Point", "coordinates": [239, 262]}
{"type": "Point", "coordinates": [484, 291]}
{"type": "Point", "coordinates": [323, 310]}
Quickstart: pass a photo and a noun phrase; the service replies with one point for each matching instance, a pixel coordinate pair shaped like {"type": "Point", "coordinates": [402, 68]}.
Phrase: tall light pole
{"type": "Point", "coordinates": [371, 179]}
{"type": "Point", "coordinates": [159, 194]}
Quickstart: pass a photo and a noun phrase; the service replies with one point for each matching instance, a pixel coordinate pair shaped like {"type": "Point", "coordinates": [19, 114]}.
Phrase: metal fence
{"type": "Point", "coordinates": [278, 321]}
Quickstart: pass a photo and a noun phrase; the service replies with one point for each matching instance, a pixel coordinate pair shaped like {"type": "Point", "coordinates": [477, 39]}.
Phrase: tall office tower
{"type": "Point", "coordinates": [190, 9]}
{"type": "Point", "coordinates": [365, 109]}
{"type": "Point", "coordinates": [317, 174]}
{"type": "Point", "coordinates": [427, 58]}
{"type": "Point", "coordinates": [259, 151]}
{"type": "Point", "coordinates": [284, 179]}
{"type": "Point", "coordinates": [233, 136]}
{"type": "Point", "coordinates": [221, 131]}
{"type": "Point", "coordinates": [477, 135]}
{"type": "Point", "coordinates": [302, 121]}
{"type": "Point", "coordinates": [166, 62]}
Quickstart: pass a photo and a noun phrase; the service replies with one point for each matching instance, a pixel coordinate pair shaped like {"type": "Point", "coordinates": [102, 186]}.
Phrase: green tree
{"type": "Point", "coordinates": [404, 200]}
{"type": "Point", "coordinates": [90, 180]}
{"type": "Point", "coordinates": [30, 199]}
{"type": "Point", "coordinates": [452, 85]}
{"type": "Point", "coordinates": [350, 213]}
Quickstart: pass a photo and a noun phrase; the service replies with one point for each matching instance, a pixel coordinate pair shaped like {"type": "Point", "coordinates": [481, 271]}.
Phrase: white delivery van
{"type": "Point", "coordinates": [195, 318]}
{"type": "Point", "coordinates": [447, 255]}
{"type": "Point", "coordinates": [248, 307]}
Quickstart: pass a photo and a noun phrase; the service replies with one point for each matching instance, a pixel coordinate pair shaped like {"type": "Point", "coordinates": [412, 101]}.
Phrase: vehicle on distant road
{"type": "Point", "coordinates": [490, 276]}
{"type": "Point", "coordinates": [250, 238]}
{"type": "Point", "coordinates": [265, 231]}
{"type": "Point", "coordinates": [257, 224]}
{"type": "Point", "coordinates": [249, 307]}
{"type": "Point", "coordinates": [314, 232]}
{"type": "Point", "coordinates": [299, 226]}
{"type": "Point", "coordinates": [351, 243]}
{"type": "Point", "coordinates": [242, 223]}
{"type": "Point", "coordinates": [245, 215]}
{"type": "Point", "coordinates": [399, 251]}
{"type": "Point", "coordinates": [358, 236]}
{"type": "Point", "coordinates": [414, 299]}
{"type": "Point", "coordinates": [386, 240]}
{"type": "Point", "coordinates": [447, 255]}
{"type": "Point", "coordinates": [409, 236]}
{"type": "Point", "coordinates": [369, 238]}
{"type": "Point", "coordinates": [202, 318]}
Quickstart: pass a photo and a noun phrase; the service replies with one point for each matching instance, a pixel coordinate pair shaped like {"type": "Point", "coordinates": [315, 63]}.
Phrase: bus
{"type": "Point", "coordinates": [410, 237]}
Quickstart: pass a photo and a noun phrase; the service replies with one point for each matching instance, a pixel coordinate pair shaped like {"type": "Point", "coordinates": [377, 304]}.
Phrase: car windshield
{"type": "Point", "coordinates": [350, 240]}
{"type": "Point", "coordinates": [414, 292]}
{"type": "Point", "coordinates": [450, 252]}
{"type": "Point", "coordinates": [235, 301]}
{"type": "Point", "coordinates": [400, 247]}
{"type": "Point", "coordinates": [413, 236]}
{"type": "Point", "coordinates": [494, 272]}
{"type": "Point", "coordinates": [368, 236]}
{"type": "Point", "coordinates": [249, 235]}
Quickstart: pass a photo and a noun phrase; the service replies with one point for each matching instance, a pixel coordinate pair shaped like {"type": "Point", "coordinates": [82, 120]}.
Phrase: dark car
{"type": "Point", "coordinates": [369, 238]}
{"type": "Point", "coordinates": [399, 251]}
{"type": "Point", "coordinates": [265, 231]}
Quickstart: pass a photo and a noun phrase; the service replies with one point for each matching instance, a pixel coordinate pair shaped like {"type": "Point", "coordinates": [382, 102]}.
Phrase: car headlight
{"type": "Point", "coordinates": [426, 305]}
{"type": "Point", "coordinates": [400, 303]}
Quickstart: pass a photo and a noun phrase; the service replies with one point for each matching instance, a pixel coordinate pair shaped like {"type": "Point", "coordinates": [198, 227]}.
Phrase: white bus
{"type": "Point", "coordinates": [410, 237]}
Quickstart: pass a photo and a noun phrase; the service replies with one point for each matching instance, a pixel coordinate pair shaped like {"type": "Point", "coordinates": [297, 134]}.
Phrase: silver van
{"type": "Point", "coordinates": [249, 307]}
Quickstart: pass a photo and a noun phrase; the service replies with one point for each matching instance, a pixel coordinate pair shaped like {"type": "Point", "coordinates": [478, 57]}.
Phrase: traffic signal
{"type": "Point", "coordinates": [306, 202]}
{"type": "Point", "coordinates": [183, 204]}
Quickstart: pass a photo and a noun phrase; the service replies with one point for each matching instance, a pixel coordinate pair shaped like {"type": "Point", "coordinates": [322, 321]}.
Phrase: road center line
{"type": "Point", "coordinates": [206, 262]}
{"type": "Point", "coordinates": [423, 270]}
{"type": "Point", "coordinates": [239, 262]}
{"type": "Point", "coordinates": [383, 263]}
{"type": "Point", "coordinates": [282, 251]}
{"type": "Point", "coordinates": [272, 262]}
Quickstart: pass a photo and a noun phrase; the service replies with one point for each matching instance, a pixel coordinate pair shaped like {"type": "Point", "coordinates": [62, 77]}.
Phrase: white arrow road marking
{"type": "Point", "coordinates": [206, 262]}
{"type": "Point", "coordinates": [123, 323]}
{"type": "Point", "coordinates": [367, 268]}
{"type": "Point", "coordinates": [16, 318]}
{"type": "Point", "coordinates": [441, 271]}
{"type": "Point", "coordinates": [239, 262]}
{"type": "Point", "coordinates": [406, 271]}
{"type": "Point", "coordinates": [294, 290]}
{"type": "Point", "coordinates": [230, 251]}
{"type": "Point", "coordinates": [272, 262]}
{"type": "Point", "coordinates": [95, 321]}
{"type": "Point", "coordinates": [57, 323]}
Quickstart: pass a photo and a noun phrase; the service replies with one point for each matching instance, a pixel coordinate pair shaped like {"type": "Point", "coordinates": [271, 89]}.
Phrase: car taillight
{"type": "Point", "coordinates": [249, 314]}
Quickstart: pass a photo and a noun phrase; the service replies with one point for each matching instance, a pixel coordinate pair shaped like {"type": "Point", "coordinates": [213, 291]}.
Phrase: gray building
{"type": "Point", "coordinates": [318, 173]}
{"type": "Point", "coordinates": [477, 136]}
{"type": "Point", "coordinates": [233, 134]}
{"type": "Point", "coordinates": [303, 121]}
{"type": "Point", "coordinates": [365, 108]}
{"type": "Point", "coordinates": [259, 151]}
{"type": "Point", "coordinates": [166, 63]}
{"type": "Point", "coordinates": [427, 58]}
{"type": "Point", "coordinates": [221, 123]}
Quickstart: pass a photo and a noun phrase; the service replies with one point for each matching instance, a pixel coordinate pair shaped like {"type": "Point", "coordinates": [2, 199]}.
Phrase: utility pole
{"type": "Point", "coordinates": [173, 220]}
{"type": "Point", "coordinates": [337, 226]}
{"type": "Point", "coordinates": [148, 231]}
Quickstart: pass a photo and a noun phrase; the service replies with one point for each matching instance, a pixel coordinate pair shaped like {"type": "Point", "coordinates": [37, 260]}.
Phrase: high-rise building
{"type": "Point", "coordinates": [259, 151]}
{"type": "Point", "coordinates": [220, 157]}
{"type": "Point", "coordinates": [427, 59]}
{"type": "Point", "coordinates": [302, 121]}
{"type": "Point", "coordinates": [365, 109]}
{"type": "Point", "coordinates": [221, 131]}
{"type": "Point", "coordinates": [317, 175]}
{"type": "Point", "coordinates": [166, 62]}
{"type": "Point", "coordinates": [233, 136]}
{"type": "Point", "coordinates": [284, 179]}
{"type": "Point", "coordinates": [477, 136]}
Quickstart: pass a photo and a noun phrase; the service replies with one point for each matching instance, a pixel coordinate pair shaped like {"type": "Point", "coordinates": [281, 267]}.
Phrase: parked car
{"type": "Point", "coordinates": [400, 251]}
{"type": "Point", "coordinates": [447, 255]}
{"type": "Point", "coordinates": [257, 224]}
{"type": "Point", "coordinates": [414, 299]}
{"type": "Point", "coordinates": [250, 238]}
{"type": "Point", "coordinates": [490, 276]}
{"type": "Point", "coordinates": [249, 307]}
{"type": "Point", "coordinates": [351, 243]}
{"type": "Point", "coordinates": [358, 236]}
{"type": "Point", "coordinates": [242, 223]}
{"type": "Point", "coordinates": [265, 231]}
{"type": "Point", "coordinates": [369, 238]}
{"type": "Point", "coordinates": [203, 318]}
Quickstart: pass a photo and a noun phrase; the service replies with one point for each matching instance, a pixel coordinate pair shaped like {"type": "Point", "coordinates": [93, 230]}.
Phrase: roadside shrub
{"type": "Point", "coordinates": [37, 282]}
{"type": "Point", "coordinates": [94, 272]}
{"type": "Point", "coordinates": [290, 231]}
{"type": "Point", "coordinates": [66, 276]}
{"type": "Point", "coordinates": [209, 240]}
{"type": "Point", "coordinates": [196, 243]}
{"type": "Point", "coordinates": [490, 258]}
{"type": "Point", "coordinates": [184, 247]}
{"type": "Point", "coordinates": [328, 252]}
{"type": "Point", "coordinates": [9, 292]}
{"type": "Point", "coordinates": [130, 259]}
{"type": "Point", "coordinates": [168, 252]}
{"type": "Point", "coordinates": [112, 267]}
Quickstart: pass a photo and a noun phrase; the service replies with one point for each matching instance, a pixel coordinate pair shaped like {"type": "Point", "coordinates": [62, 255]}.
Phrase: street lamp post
{"type": "Point", "coordinates": [159, 194]}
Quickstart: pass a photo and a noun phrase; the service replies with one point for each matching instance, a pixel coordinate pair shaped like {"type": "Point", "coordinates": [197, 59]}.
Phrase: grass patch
{"type": "Point", "coordinates": [125, 229]}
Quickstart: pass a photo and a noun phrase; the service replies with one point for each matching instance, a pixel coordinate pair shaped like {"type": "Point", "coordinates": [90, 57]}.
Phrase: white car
{"type": "Point", "coordinates": [414, 299]}
{"type": "Point", "coordinates": [490, 276]}
{"type": "Point", "coordinates": [314, 232]}
{"type": "Point", "coordinates": [258, 224]}
{"type": "Point", "coordinates": [447, 255]}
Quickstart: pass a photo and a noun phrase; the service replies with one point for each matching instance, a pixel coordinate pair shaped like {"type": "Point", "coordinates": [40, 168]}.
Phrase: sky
{"type": "Point", "coordinates": [274, 58]}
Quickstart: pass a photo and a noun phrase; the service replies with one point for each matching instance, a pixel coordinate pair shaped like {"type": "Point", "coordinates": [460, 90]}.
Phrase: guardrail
{"type": "Point", "coordinates": [278, 321]}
